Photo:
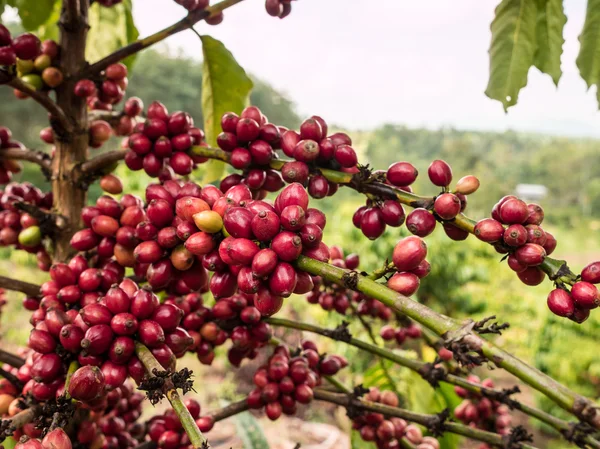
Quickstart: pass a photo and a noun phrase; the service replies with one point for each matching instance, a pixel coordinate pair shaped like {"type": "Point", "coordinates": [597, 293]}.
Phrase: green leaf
{"type": "Point", "coordinates": [49, 30]}
{"type": "Point", "coordinates": [33, 13]}
{"type": "Point", "coordinates": [250, 432]}
{"type": "Point", "coordinates": [356, 442]}
{"type": "Point", "coordinates": [9, 443]}
{"type": "Point", "coordinates": [512, 49]}
{"type": "Point", "coordinates": [225, 88]}
{"type": "Point", "coordinates": [551, 21]}
{"type": "Point", "coordinates": [110, 29]}
{"type": "Point", "coordinates": [588, 60]}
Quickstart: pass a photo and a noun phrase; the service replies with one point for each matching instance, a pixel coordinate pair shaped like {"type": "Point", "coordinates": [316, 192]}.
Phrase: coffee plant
{"type": "Point", "coordinates": [137, 283]}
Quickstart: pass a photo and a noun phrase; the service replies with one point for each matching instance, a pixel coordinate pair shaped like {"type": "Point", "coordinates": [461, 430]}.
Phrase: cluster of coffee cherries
{"type": "Point", "coordinates": [19, 228]}
{"type": "Point", "coordinates": [168, 433]}
{"type": "Point", "coordinates": [387, 431]}
{"type": "Point", "coordinates": [283, 231]}
{"type": "Point", "coordinates": [523, 238]}
{"type": "Point", "coordinates": [409, 259]}
{"type": "Point", "coordinates": [373, 218]}
{"type": "Point", "coordinates": [286, 381]}
{"type": "Point", "coordinates": [332, 296]}
{"type": "Point", "coordinates": [278, 8]}
{"type": "Point", "coordinates": [235, 318]}
{"type": "Point", "coordinates": [118, 425]}
{"type": "Point", "coordinates": [402, 333]}
{"type": "Point", "coordinates": [107, 91]}
{"type": "Point", "coordinates": [33, 60]}
{"type": "Point", "coordinates": [313, 149]}
{"type": "Point", "coordinates": [583, 296]}
{"type": "Point", "coordinates": [149, 239]}
{"type": "Point", "coordinates": [8, 166]}
{"type": "Point", "coordinates": [481, 412]}
{"type": "Point", "coordinates": [55, 439]}
{"type": "Point", "coordinates": [251, 141]}
{"type": "Point", "coordinates": [101, 332]}
{"type": "Point", "coordinates": [163, 141]}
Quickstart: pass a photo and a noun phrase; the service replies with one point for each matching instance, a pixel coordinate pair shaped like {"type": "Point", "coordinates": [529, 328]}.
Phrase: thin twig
{"type": "Point", "coordinates": [184, 24]}
{"type": "Point", "coordinates": [432, 422]}
{"type": "Point", "coordinates": [229, 410]}
{"type": "Point", "coordinates": [23, 154]}
{"type": "Point", "coordinates": [19, 286]}
{"type": "Point", "coordinates": [43, 99]}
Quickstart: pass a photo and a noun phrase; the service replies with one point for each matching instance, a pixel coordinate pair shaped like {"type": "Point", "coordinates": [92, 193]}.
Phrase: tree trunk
{"type": "Point", "coordinates": [71, 147]}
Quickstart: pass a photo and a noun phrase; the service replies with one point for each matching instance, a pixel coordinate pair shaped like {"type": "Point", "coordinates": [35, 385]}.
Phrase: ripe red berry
{"type": "Point", "coordinates": [420, 222]}
{"type": "Point", "coordinates": [87, 383]}
{"type": "Point", "coordinates": [591, 273]}
{"type": "Point", "coordinates": [513, 211]}
{"type": "Point", "coordinates": [401, 174]}
{"type": "Point", "coordinates": [346, 156]}
{"type": "Point", "coordinates": [531, 276]}
{"type": "Point", "coordinates": [530, 254]}
{"type": "Point", "coordinates": [404, 283]}
{"type": "Point", "coordinates": [447, 206]}
{"type": "Point", "coordinates": [392, 213]}
{"type": "Point", "coordinates": [372, 223]}
{"type": "Point", "coordinates": [489, 230]}
{"type": "Point", "coordinates": [585, 295]}
{"type": "Point", "coordinates": [515, 235]}
{"type": "Point", "coordinates": [409, 253]}
{"type": "Point", "coordinates": [440, 173]}
{"type": "Point", "coordinates": [27, 46]}
{"type": "Point", "coordinates": [536, 214]}
{"type": "Point", "coordinates": [560, 302]}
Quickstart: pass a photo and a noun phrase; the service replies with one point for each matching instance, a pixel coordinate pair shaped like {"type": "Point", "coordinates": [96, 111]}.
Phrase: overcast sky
{"type": "Point", "coordinates": [361, 63]}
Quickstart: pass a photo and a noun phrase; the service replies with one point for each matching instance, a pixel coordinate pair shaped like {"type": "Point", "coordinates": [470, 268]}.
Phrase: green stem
{"type": "Point", "coordinates": [418, 366]}
{"type": "Point", "coordinates": [382, 271]}
{"type": "Point", "coordinates": [445, 326]}
{"type": "Point", "coordinates": [425, 420]}
{"type": "Point", "coordinates": [337, 384]}
{"type": "Point", "coordinates": [73, 366]}
{"type": "Point", "coordinates": [369, 330]}
{"type": "Point", "coordinates": [184, 24]}
{"type": "Point", "coordinates": [197, 439]}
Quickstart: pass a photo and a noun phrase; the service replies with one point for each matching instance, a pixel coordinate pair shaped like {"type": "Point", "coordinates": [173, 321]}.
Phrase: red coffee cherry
{"type": "Point", "coordinates": [447, 206]}
{"type": "Point", "coordinates": [420, 222]}
{"type": "Point", "coordinates": [513, 211]}
{"type": "Point", "coordinates": [561, 303]}
{"type": "Point", "coordinates": [585, 295]}
{"type": "Point", "coordinates": [440, 173]}
{"type": "Point", "coordinates": [401, 174]}
{"type": "Point", "coordinates": [489, 230]}
{"type": "Point", "coordinates": [409, 253]}
{"type": "Point", "coordinates": [591, 273]}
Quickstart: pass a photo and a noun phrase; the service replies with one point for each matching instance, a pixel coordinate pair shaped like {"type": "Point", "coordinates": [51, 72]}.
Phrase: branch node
{"type": "Point", "coordinates": [437, 425]}
{"type": "Point", "coordinates": [433, 372]}
{"type": "Point", "coordinates": [155, 386]}
{"type": "Point", "coordinates": [504, 396]}
{"type": "Point", "coordinates": [516, 436]}
{"type": "Point", "coordinates": [340, 333]}
{"type": "Point", "coordinates": [350, 279]}
{"type": "Point", "coordinates": [483, 326]}
{"type": "Point", "coordinates": [359, 391]}
{"type": "Point", "coordinates": [577, 433]}
{"type": "Point", "coordinates": [182, 380]}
